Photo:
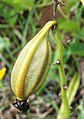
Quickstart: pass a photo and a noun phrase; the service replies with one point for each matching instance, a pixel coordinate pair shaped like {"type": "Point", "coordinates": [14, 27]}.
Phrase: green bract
{"type": "Point", "coordinates": [32, 64]}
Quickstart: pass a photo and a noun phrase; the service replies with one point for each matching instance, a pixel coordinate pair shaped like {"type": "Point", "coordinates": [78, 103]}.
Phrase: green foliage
{"type": "Point", "coordinates": [16, 29]}
{"type": "Point", "coordinates": [81, 108]}
{"type": "Point", "coordinates": [8, 13]}
{"type": "Point", "coordinates": [81, 33]}
{"type": "Point", "coordinates": [4, 43]}
{"type": "Point", "coordinates": [20, 5]}
{"type": "Point", "coordinates": [77, 48]}
{"type": "Point", "coordinates": [70, 4]}
{"type": "Point", "coordinates": [68, 25]}
{"type": "Point", "coordinates": [1, 84]}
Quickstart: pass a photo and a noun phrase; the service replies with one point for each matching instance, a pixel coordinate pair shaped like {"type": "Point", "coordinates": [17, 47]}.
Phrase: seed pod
{"type": "Point", "coordinates": [32, 64]}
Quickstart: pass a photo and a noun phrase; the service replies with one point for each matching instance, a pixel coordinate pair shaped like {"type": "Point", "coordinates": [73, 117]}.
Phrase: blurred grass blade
{"type": "Point", "coordinates": [26, 27]}
{"type": "Point", "coordinates": [2, 58]}
{"type": "Point", "coordinates": [73, 87]}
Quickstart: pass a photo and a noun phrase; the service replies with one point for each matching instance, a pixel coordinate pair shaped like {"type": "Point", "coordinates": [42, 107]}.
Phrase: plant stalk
{"type": "Point", "coordinates": [60, 50]}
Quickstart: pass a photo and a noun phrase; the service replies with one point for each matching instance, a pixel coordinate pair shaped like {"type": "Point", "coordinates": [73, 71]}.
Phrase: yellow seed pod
{"type": "Point", "coordinates": [32, 64]}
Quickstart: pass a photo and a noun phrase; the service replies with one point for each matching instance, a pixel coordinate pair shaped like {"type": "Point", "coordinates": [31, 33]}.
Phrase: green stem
{"type": "Point", "coordinates": [43, 4]}
{"type": "Point", "coordinates": [62, 12]}
{"type": "Point", "coordinates": [60, 50]}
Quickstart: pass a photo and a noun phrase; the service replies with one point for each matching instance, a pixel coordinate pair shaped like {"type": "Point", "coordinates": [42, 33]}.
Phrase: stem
{"type": "Point", "coordinates": [62, 12]}
{"type": "Point", "coordinates": [43, 4]}
{"type": "Point", "coordinates": [60, 50]}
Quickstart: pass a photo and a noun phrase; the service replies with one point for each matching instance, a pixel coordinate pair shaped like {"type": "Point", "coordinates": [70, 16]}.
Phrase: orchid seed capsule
{"type": "Point", "coordinates": [32, 65]}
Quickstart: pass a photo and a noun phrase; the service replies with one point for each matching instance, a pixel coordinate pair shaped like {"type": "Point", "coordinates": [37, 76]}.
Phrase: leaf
{"type": "Point", "coordinates": [70, 3]}
{"type": "Point", "coordinates": [81, 109]}
{"type": "Point", "coordinates": [20, 5]}
{"type": "Point", "coordinates": [72, 89]}
{"type": "Point", "coordinates": [81, 33]}
{"type": "Point", "coordinates": [69, 25]}
{"type": "Point", "coordinates": [12, 20]}
{"type": "Point", "coordinates": [7, 12]}
{"type": "Point", "coordinates": [77, 48]}
{"type": "Point", "coordinates": [4, 43]}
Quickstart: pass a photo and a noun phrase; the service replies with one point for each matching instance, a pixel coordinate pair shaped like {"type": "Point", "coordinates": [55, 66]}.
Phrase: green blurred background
{"type": "Point", "coordinates": [20, 20]}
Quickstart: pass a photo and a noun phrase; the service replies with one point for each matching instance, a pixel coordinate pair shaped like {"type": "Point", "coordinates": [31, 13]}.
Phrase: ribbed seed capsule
{"type": "Point", "coordinates": [32, 64]}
